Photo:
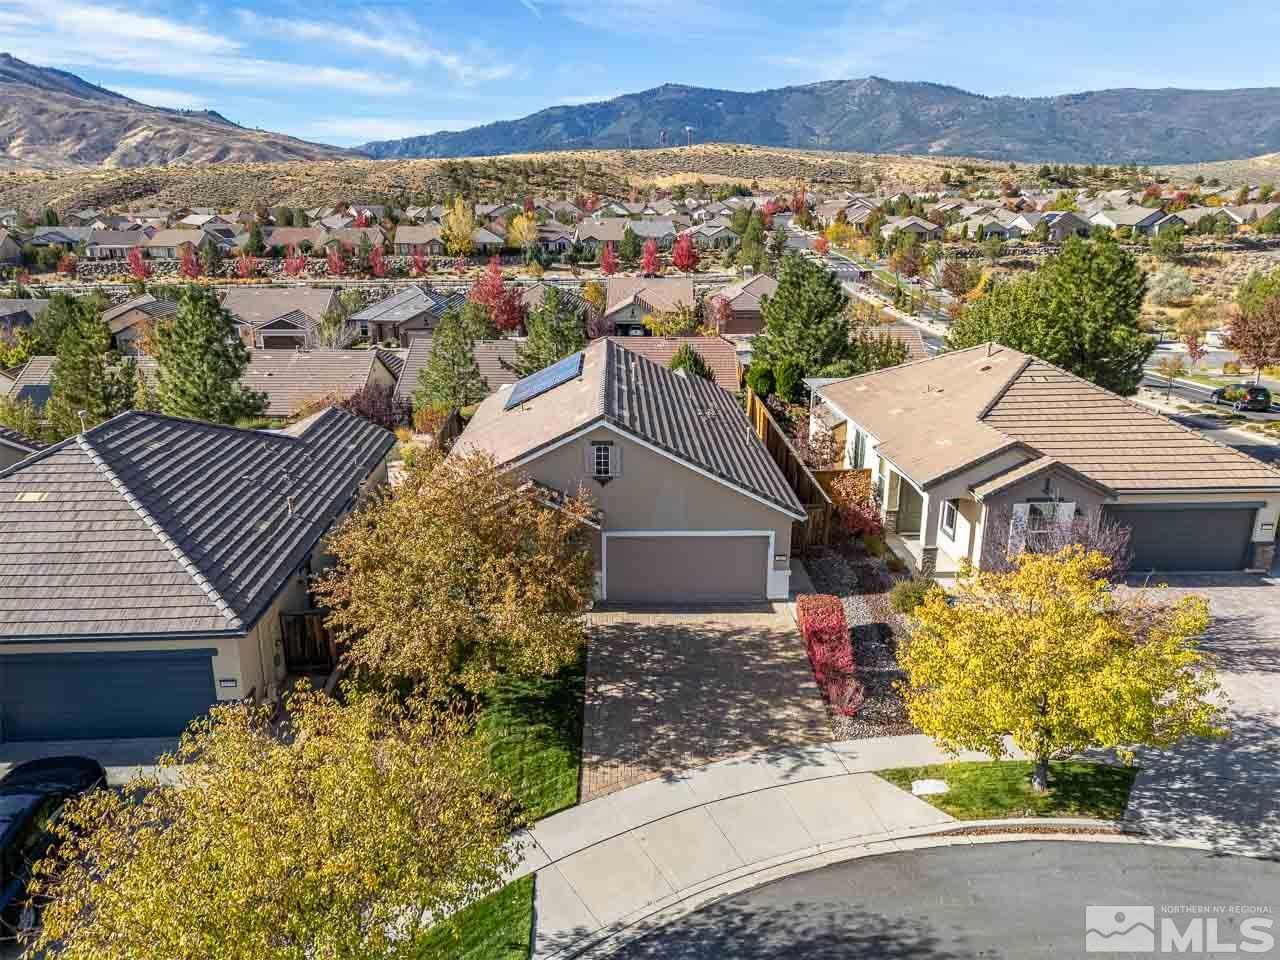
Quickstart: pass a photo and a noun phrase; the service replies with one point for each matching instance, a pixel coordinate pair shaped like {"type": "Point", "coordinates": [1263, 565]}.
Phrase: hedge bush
{"type": "Point", "coordinates": [826, 638]}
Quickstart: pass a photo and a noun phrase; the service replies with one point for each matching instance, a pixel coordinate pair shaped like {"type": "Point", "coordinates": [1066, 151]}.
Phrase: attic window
{"type": "Point", "coordinates": [32, 496]}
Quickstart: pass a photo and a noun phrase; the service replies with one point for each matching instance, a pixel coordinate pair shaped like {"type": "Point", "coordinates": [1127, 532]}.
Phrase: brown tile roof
{"type": "Point", "coordinates": [292, 379]}
{"type": "Point", "coordinates": [908, 335]}
{"type": "Point", "coordinates": [690, 419]}
{"type": "Point", "coordinates": [937, 416]}
{"type": "Point", "coordinates": [721, 355]}
{"type": "Point", "coordinates": [657, 293]}
{"type": "Point", "coordinates": [746, 294]}
{"type": "Point", "coordinates": [258, 306]}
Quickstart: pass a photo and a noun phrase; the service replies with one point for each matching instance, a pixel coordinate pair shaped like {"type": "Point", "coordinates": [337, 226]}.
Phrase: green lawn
{"type": "Point", "coordinates": [536, 730]}
{"type": "Point", "coordinates": [996, 789]}
{"type": "Point", "coordinates": [498, 927]}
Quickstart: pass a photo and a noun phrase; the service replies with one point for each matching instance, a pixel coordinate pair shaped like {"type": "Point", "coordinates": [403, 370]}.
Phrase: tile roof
{"type": "Point", "coordinates": [908, 335]}
{"type": "Point", "coordinates": [690, 419]}
{"type": "Point", "coordinates": [492, 358]}
{"type": "Point", "coordinates": [152, 525]}
{"type": "Point", "coordinates": [32, 382]}
{"type": "Point", "coordinates": [746, 294]}
{"type": "Point", "coordinates": [293, 379]}
{"type": "Point", "coordinates": [657, 293]}
{"type": "Point", "coordinates": [115, 317]}
{"type": "Point", "coordinates": [938, 416]}
{"type": "Point", "coordinates": [721, 355]}
{"type": "Point", "coordinates": [12, 438]}
{"type": "Point", "coordinates": [258, 306]}
{"type": "Point", "coordinates": [400, 306]}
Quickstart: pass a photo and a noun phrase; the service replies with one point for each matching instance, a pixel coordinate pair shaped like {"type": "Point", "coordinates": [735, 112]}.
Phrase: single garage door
{"type": "Point", "coordinates": [1188, 537]}
{"type": "Point", "coordinates": [712, 569]}
{"type": "Point", "coordinates": [89, 696]}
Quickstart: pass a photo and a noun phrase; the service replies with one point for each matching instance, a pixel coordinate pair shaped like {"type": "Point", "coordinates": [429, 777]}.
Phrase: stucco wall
{"type": "Point", "coordinates": [655, 493]}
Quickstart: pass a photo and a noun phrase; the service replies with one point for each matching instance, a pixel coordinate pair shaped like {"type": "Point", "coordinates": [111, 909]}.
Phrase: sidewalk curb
{"type": "Point", "coordinates": [608, 940]}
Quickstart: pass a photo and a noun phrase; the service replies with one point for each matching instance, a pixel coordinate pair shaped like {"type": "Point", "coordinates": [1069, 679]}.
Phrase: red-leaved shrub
{"type": "Point", "coordinates": [826, 637]}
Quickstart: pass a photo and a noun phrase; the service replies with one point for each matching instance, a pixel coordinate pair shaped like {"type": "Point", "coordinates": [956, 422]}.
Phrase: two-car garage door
{"type": "Point", "coordinates": [1188, 537]}
{"type": "Point", "coordinates": [686, 569]}
{"type": "Point", "coordinates": [75, 696]}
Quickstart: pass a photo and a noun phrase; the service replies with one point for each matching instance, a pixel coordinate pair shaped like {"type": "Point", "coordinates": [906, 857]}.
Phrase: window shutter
{"type": "Point", "coordinates": [615, 460]}
{"type": "Point", "coordinates": [1018, 528]}
{"type": "Point", "coordinates": [590, 452]}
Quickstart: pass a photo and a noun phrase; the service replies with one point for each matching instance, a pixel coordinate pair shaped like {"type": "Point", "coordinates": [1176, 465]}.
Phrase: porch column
{"type": "Point", "coordinates": [892, 488]}
{"type": "Point", "coordinates": [931, 516]}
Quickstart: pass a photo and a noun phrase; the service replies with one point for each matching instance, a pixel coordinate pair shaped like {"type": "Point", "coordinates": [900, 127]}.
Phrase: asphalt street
{"type": "Point", "coordinates": [1004, 900]}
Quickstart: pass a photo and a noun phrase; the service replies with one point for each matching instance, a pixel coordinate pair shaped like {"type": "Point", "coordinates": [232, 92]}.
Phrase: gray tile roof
{"type": "Point", "coordinates": [12, 438]}
{"type": "Point", "coordinates": [32, 382]}
{"type": "Point", "coordinates": [151, 525]}
{"type": "Point", "coordinates": [689, 418]}
{"type": "Point", "coordinates": [145, 303]}
{"type": "Point", "coordinates": [490, 355]}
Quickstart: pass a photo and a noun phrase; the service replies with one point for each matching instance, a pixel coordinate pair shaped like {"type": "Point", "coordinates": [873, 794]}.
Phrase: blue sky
{"type": "Point", "coordinates": [347, 73]}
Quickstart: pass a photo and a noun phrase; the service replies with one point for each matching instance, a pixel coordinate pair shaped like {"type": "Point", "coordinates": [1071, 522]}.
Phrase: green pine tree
{"type": "Point", "coordinates": [88, 383]}
{"type": "Point", "coordinates": [210, 260]}
{"type": "Point", "coordinates": [1080, 311]}
{"type": "Point", "coordinates": [450, 380]}
{"type": "Point", "coordinates": [255, 246]}
{"type": "Point", "coordinates": [630, 247]}
{"type": "Point", "coordinates": [200, 359]}
{"type": "Point", "coordinates": [689, 360]}
{"type": "Point", "coordinates": [804, 321]}
{"type": "Point", "coordinates": [555, 330]}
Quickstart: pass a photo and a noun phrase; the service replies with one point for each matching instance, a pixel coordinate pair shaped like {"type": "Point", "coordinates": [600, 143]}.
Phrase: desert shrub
{"type": "Point", "coordinates": [760, 380]}
{"type": "Point", "coordinates": [874, 545]}
{"type": "Point", "coordinates": [378, 404]}
{"type": "Point", "coordinates": [906, 595]}
{"type": "Point", "coordinates": [1231, 369]}
{"type": "Point", "coordinates": [826, 638]}
{"type": "Point", "coordinates": [429, 418]}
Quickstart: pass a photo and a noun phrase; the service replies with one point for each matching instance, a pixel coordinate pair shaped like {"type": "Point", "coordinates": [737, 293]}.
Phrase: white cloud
{"type": "Point", "coordinates": [160, 97]}
{"type": "Point", "coordinates": [532, 8]}
{"type": "Point", "coordinates": [684, 17]}
{"type": "Point", "coordinates": [81, 35]}
{"type": "Point", "coordinates": [397, 37]}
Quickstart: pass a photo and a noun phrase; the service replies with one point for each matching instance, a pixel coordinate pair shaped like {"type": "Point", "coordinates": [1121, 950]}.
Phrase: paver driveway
{"type": "Point", "coordinates": [1226, 793]}
{"type": "Point", "coordinates": [671, 690]}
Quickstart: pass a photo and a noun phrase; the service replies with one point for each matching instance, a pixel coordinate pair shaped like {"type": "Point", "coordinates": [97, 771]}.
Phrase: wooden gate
{"type": "Point", "coordinates": [308, 646]}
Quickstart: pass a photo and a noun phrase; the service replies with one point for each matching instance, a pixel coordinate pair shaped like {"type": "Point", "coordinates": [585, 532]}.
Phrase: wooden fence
{"type": "Point", "coordinates": [308, 645]}
{"type": "Point", "coordinates": [815, 530]}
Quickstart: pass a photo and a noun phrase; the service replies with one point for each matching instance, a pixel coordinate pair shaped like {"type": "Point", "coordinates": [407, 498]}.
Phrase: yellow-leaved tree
{"type": "Point", "coordinates": [347, 834]}
{"type": "Point", "coordinates": [458, 228]}
{"type": "Point", "coordinates": [463, 573]}
{"type": "Point", "coordinates": [522, 232]}
{"type": "Point", "coordinates": [1052, 655]}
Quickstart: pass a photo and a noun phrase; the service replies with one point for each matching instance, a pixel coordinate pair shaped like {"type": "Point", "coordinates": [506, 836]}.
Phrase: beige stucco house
{"type": "Point", "coordinates": [149, 561]}
{"type": "Point", "coordinates": [977, 451]}
{"type": "Point", "coordinates": [690, 506]}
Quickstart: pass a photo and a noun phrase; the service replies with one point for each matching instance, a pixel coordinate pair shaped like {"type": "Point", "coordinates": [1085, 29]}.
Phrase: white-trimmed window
{"type": "Point", "coordinates": [1034, 523]}
{"type": "Point", "coordinates": [950, 510]}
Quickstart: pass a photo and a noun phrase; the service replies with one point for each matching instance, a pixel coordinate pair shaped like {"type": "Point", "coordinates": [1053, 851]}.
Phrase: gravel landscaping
{"type": "Point", "coordinates": [862, 583]}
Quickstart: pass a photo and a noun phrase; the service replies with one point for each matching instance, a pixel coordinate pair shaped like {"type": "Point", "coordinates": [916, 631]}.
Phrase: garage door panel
{"type": "Point", "coordinates": [74, 696]}
{"type": "Point", "coordinates": [1187, 537]}
{"type": "Point", "coordinates": [682, 569]}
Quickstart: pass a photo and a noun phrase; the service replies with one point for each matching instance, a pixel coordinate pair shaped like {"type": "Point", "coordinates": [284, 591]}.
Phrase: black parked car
{"type": "Point", "coordinates": [1244, 396]}
{"type": "Point", "coordinates": [31, 798]}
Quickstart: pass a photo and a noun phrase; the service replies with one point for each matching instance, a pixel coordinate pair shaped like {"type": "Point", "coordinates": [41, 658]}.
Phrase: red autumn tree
{"type": "Point", "coordinates": [1255, 335]}
{"type": "Point", "coordinates": [685, 254]}
{"type": "Point", "coordinates": [67, 264]}
{"type": "Point", "coordinates": [418, 261]}
{"type": "Point", "coordinates": [139, 267]}
{"type": "Point", "coordinates": [608, 261]}
{"type": "Point", "coordinates": [821, 245]}
{"type": "Point", "coordinates": [766, 214]}
{"type": "Point", "coordinates": [362, 219]}
{"type": "Point", "coordinates": [797, 200]}
{"type": "Point", "coordinates": [246, 266]}
{"type": "Point", "coordinates": [336, 262]}
{"type": "Point", "coordinates": [528, 205]}
{"type": "Point", "coordinates": [649, 257]}
{"type": "Point", "coordinates": [377, 265]}
{"type": "Point", "coordinates": [504, 303]}
{"type": "Point", "coordinates": [189, 266]}
{"type": "Point", "coordinates": [721, 314]}
{"type": "Point", "coordinates": [294, 262]}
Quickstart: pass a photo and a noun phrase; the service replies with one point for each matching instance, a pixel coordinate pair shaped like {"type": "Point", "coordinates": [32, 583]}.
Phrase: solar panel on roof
{"type": "Point", "coordinates": [536, 384]}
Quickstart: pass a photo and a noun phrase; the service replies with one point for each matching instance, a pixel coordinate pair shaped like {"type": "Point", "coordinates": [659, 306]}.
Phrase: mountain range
{"type": "Point", "coordinates": [51, 119]}
{"type": "Point", "coordinates": [874, 115]}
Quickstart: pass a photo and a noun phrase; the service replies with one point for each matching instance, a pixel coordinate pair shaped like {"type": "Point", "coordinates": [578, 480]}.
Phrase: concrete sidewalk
{"type": "Point", "coordinates": [643, 848]}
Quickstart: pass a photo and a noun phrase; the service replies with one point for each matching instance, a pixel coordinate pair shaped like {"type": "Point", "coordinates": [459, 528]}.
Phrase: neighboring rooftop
{"type": "Point", "coordinates": [262, 305]}
{"type": "Point", "coordinates": [149, 524]}
{"type": "Point", "coordinates": [720, 355]}
{"type": "Point", "coordinates": [493, 358]}
{"type": "Point", "coordinates": [653, 293]}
